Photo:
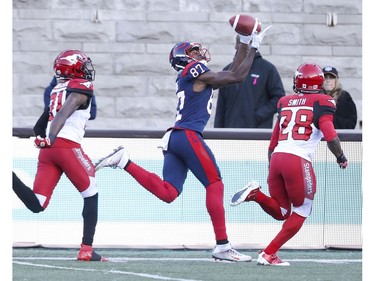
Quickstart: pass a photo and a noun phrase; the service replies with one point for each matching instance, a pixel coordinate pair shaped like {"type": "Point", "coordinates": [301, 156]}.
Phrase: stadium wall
{"type": "Point", "coordinates": [129, 43]}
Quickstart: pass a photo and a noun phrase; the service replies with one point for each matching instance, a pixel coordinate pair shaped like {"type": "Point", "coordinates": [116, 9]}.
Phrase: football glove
{"type": "Point", "coordinates": [342, 161]}
{"type": "Point", "coordinates": [258, 37]}
{"type": "Point", "coordinates": [40, 142]}
{"type": "Point", "coordinates": [245, 39]}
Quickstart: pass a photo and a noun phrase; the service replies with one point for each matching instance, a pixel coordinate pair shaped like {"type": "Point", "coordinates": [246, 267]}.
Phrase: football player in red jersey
{"type": "Point", "coordinates": [60, 131]}
{"type": "Point", "coordinates": [303, 119]}
{"type": "Point", "coordinates": [183, 146]}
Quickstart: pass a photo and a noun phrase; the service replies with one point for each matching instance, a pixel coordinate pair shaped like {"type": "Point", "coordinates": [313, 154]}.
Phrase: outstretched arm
{"type": "Point", "coordinates": [242, 51]}
{"type": "Point", "coordinates": [237, 74]}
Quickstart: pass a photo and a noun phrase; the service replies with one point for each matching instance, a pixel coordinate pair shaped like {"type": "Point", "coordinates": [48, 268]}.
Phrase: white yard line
{"type": "Point", "coordinates": [151, 276]}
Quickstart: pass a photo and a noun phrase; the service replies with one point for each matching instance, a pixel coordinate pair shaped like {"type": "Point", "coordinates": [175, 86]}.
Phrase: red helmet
{"type": "Point", "coordinates": [308, 79]}
{"type": "Point", "coordinates": [74, 64]}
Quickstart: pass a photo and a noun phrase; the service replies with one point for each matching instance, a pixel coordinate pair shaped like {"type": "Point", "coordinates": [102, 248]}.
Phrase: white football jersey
{"type": "Point", "coordinates": [298, 120]}
{"type": "Point", "coordinates": [74, 127]}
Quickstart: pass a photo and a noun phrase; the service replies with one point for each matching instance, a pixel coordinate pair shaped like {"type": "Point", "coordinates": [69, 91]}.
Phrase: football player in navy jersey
{"type": "Point", "coordinates": [183, 145]}
{"type": "Point", "coordinates": [303, 119]}
{"type": "Point", "coordinates": [60, 131]}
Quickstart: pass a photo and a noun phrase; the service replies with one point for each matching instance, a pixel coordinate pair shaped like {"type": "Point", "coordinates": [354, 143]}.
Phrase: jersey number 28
{"type": "Point", "coordinates": [296, 124]}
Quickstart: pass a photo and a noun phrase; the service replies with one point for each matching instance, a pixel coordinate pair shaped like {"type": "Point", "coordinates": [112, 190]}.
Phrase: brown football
{"type": "Point", "coordinates": [243, 24]}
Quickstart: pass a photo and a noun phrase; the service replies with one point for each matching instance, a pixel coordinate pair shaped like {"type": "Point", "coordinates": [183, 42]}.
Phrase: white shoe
{"type": "Point", "coordinates": [246, 194]}
{"type": "Point", "coordinates": [118, 158]}
{"type": "Point", "coordinates": [264, 259]}
{"type": "Point", "coordinates": [229, 255]}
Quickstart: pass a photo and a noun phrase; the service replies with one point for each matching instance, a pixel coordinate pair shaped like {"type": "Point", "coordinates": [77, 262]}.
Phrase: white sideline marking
{"type": "Point", "coordinates": [104, 271]}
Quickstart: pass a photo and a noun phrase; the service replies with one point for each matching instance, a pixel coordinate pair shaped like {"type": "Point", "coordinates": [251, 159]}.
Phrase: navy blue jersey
{"type": "Point", "coordinates": [193, 108]}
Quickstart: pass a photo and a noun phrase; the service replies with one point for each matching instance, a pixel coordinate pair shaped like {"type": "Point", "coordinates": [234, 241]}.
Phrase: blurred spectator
{"type": "Point", "coordinates": [346, 112]}
{"type": "Point", "coordinates": [48, 90]}
{"type": "Point", "coordinates": [251, 103]}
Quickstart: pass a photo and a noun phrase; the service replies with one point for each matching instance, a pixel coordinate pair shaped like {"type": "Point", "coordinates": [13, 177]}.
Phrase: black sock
{"type": "Point", "coordinates": [26, 195]}
{"type": "Point", "coordinates": [90, 219]}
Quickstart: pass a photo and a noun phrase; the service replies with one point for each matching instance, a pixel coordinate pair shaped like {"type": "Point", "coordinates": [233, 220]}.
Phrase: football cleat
{"type": "Point", "coordinates": [86, 253]}
{"type": "Point", "coordinates": [246, 194]}
{"type": "Point", "coordinates": [229, 255]}
{"type": "Point", "coordinates": [264, 259]}
{"type": "Point", "coordinates": [118, 158]}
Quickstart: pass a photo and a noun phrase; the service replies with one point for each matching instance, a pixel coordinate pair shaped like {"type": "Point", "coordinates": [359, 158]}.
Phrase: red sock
{"type": "Point", "coordinates": [153, 183]}
{"type": "Point", "coordinates": [290, 228]}
{"type": "Point", "coordinates": [215, 208]}
{"type": "Point", "coordinates": [269, 205]}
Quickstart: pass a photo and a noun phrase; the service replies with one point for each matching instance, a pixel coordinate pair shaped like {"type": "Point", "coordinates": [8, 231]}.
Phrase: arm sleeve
{"type": "Point", "coordinates": [41, 125]}
{"type": "Point", "coordinates": [327, 127]}
{"type": "Point", "coordinates": [275, 136]}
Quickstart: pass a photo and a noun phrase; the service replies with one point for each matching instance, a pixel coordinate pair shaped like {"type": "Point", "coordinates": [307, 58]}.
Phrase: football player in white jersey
{"type": "Point", "coordinates": [303, 119]}
{"type": "Point", "coordinates": [60, 131]}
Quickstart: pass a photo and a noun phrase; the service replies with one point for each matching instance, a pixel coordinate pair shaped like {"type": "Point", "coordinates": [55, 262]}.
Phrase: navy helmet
{"type": "Point", "coordinates": [179, 56]}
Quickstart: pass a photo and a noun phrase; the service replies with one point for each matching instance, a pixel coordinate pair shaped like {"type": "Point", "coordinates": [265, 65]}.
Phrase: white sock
{"type": "Point", "coordinates": [223, 248]}
{"type": "Point", "coordinates": [124, 160]}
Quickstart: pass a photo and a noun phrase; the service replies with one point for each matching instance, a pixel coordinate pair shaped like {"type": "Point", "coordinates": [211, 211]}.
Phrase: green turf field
{"type": "Point", "coordinates": [35, 264]}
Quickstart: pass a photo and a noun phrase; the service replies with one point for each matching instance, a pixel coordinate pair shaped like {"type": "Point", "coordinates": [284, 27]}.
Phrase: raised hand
{"type": "Point", "coordinates": [258, 37]}
{"type": "Point", "coordinates": [247, 38]}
